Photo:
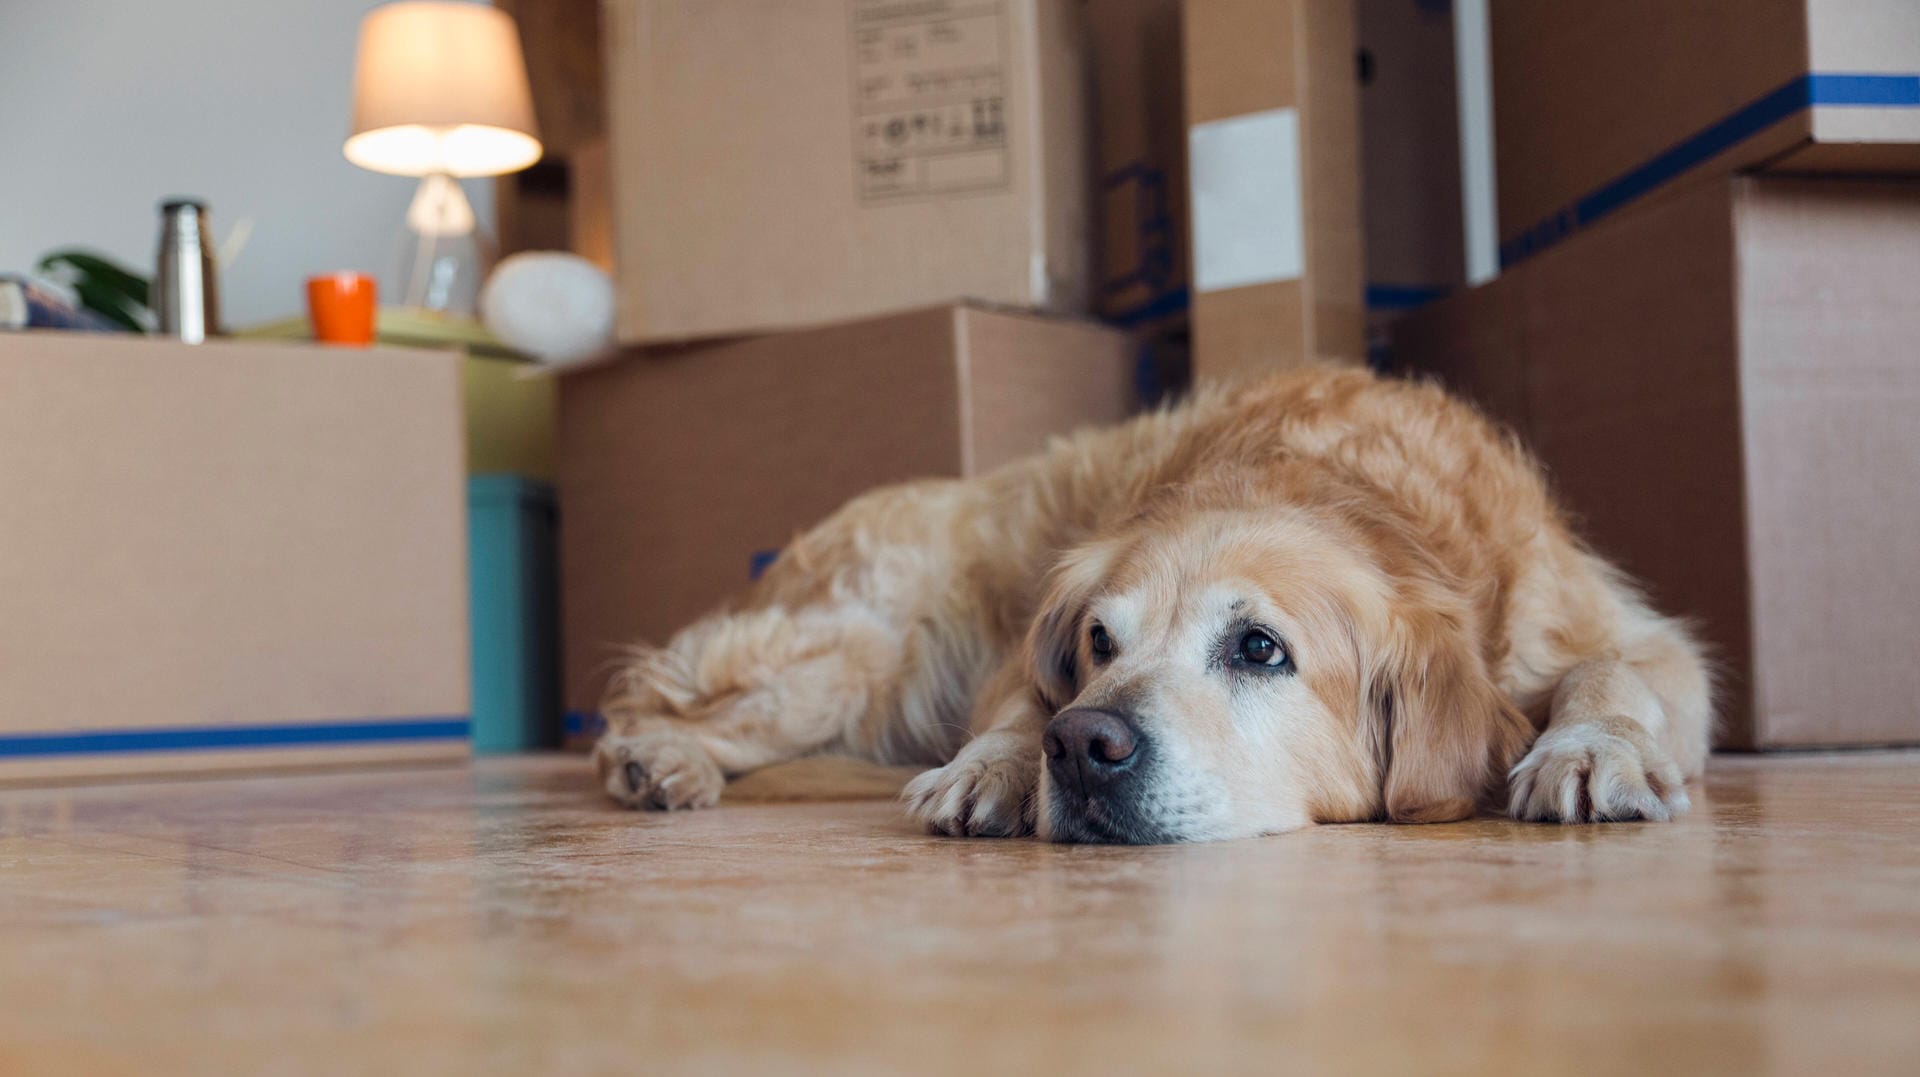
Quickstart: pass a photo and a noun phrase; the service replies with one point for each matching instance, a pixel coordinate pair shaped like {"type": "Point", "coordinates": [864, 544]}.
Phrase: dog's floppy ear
{"type": "Point", "coordinates": [1445, 734]}
{"type": "Point", "coordinates": [1053, 640]}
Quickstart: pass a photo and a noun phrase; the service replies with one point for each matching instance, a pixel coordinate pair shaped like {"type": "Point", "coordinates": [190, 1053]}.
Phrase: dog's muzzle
{"type": "Point", "coordinates": [1098, 762]}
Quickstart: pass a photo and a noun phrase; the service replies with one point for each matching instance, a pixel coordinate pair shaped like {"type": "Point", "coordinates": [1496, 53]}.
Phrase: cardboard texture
{"type": "Point", "coordinates": [590, 204]}
{"type": "Point", "coordinates": [1273, 165]}
{"type": "Point", "coordinates": [228, 556]}
{"type": "Point", "coordinates": [1410, 156]}
{"type": "Point", "coordinates": [792, 164]}
{"type": "Point", "coordinates": [679, 467]}
{"type": "Point", "coordinates": [1596, 105]}
{"type": "Point", "coordinates": [1722, 385]}
{"type": "Point", "coordinates": [1140, 140]}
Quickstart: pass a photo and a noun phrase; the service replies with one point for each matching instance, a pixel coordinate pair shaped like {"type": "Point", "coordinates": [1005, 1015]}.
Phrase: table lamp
{"type": "Point", "coordinates": [440, 92]}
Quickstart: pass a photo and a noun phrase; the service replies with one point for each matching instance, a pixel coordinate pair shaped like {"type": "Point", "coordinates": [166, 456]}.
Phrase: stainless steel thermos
{"type": "Point", "coordinates": [185, 297]}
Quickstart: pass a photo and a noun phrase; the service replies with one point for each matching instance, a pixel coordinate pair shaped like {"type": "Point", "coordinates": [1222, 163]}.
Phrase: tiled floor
{"type": "Point", "coordinates": [503, 919]}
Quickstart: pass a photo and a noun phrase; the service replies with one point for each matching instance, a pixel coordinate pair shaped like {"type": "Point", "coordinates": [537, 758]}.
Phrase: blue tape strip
{"type": "Point", "coordinates": [1153, 228]}
{"type": "Point", "coordinates": [1798, 95]}
{"type": "Point", "coordinates": [583, 724]}
{"type": "Point", "coordinates": [198, 738]}
{"type": "Point", "coordinates": [1870, 91]}
{"type": "Point", "coordinates": [1401, 296]}
{"type": "Point", "coordinates": [1164, 305]}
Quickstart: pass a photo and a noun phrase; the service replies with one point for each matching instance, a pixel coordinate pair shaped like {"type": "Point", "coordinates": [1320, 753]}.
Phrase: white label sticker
{"type": "Point", "coordinates": [929, 97]}
{"type": "Point", "coordinates": [1247, 211]}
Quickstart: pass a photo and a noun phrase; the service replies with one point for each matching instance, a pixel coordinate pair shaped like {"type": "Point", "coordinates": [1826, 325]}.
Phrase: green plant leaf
{"type": "Point", "coordinates": [108, 303]}
{"type": "Point", "coordinates": [106, 272]}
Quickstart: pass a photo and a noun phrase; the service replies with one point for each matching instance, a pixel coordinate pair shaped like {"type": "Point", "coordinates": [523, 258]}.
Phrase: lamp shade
{"type": "Point", "coordinates": [441, 87]}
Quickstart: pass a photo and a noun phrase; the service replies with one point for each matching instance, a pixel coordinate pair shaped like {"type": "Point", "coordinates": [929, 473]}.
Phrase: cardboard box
{"type": "Point", "coordinates": [1410, 155]}
{"type": "Point", "coordinates": [681, 470]}
{"type": "Point", "coordinates": [228, 556]}
{"type": "Point", "coordinates": [1723, 386]}
{"type": "Point", "coordinates": [1140, 141]}
{"type": "Point", "coordinates": [590, 203]}
{"type": "Point", "coordinates": [792, 164]}
{"type": "Point", "coordinates": [1598, 104]}
{"type": "Point", "coordinates": [1273, 159]}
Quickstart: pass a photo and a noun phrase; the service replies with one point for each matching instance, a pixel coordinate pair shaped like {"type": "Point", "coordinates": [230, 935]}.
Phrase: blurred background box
{"type": "Point", "coordinates": [510, 416]}
{"type": "Point", "coordinates": [1595, 104]}
{"type": "Point", "coordinates": [1140, 139]}
{"type": "Point", "coordinates": [792, 164]}
{"type": "Point", "coordinates": [684, 470]}
{"type": "Point", "coordinates": [516, 656]}
{"type": "Point", "coordinates": [1274, 166]}
{"type": "Point", "coordinates": [1722, 383]}
{"type": "Point", "coordinates": [227, 556]}
{"type": "Point", "coordinates": [1410, 155]}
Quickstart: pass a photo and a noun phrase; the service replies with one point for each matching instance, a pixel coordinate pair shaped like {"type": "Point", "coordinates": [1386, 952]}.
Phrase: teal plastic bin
{"type": "Point", "coordinates": [513, 580]}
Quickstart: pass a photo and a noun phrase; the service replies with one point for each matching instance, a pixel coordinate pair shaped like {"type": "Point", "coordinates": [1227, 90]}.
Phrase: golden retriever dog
{"type": "Point", "coordinates": [1323, 597]}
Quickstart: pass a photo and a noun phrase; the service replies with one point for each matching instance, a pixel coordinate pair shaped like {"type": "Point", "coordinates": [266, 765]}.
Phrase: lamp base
{"type": "Point", "coordinates": [443, 256]}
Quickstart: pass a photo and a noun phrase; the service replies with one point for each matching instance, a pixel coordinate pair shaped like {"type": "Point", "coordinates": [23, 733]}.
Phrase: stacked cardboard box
{"type": "Point", "coordinates": [685, 470]}
{"type": "Point", "coordinates": [1597, 106]}
{"type": "Point", "coordinates": [1717, 368]}
{"type": "Point", "coordinates": [1140, 142]}
{"type": "Point", "coordinates": [853, 246]}
{"type": "Point", "coordinates": [1410, 155]}
{"type": "Point", "coordinates": [1274, 166]}
{"type": "Point", "coordinates": [814, 161]}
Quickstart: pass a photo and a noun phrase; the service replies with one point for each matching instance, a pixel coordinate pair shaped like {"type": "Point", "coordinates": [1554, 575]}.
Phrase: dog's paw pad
{"type": "Point", "coordinates": [1596, 772]}
{"type": "Point", "coordinates": [659, 770]}
{"type": "Point", "coordinates": [983, 794]}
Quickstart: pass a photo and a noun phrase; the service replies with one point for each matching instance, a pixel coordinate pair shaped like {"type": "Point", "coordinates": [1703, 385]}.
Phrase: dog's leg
{"type": "Point", "coordinates": [1624, 733]}
{"type": "Point", "coordinates": [737, 692]}
{"type": "Point", "coordinates": [988, 789]}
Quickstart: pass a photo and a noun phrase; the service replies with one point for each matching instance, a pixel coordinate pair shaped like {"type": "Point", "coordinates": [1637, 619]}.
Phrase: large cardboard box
{"type": "Point", "coordinates": [796, 163]}
{"type": "Point", "coordinates": [1410, 156]}
{"type": "Point", "coordinates": [228, 556]}
{"type": "Point", "coordinates": [1598, 104]}
{"type": "Point", "coordinates": [681, 470]}
{"type": "Point", "coordinates": [1273, 160]}
{"type": "Point", "coordinates": [1724, 386]}
{"type": "Point", "coordinates": [1140, 146]}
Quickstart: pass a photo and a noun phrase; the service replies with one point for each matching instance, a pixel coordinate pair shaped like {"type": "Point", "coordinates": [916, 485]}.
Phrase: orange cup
{"type": "Point", "coordinates": [342, 307]}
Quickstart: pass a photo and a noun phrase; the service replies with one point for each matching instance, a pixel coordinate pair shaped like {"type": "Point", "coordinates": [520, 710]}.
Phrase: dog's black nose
{"type": "Point", "coordinates": [1088, 748]}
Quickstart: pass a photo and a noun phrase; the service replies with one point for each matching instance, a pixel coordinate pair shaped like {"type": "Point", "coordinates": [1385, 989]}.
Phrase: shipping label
{"type": "Point", "coordinates": [930, 84]}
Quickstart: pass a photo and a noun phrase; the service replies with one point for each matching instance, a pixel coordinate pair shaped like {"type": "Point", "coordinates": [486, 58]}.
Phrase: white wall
{"type": "Point", "coordinates": [106, 106]}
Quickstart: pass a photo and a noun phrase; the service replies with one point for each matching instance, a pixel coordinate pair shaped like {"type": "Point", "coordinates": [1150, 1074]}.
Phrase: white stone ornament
{"type": "Point", "coordinates": [551, 305]}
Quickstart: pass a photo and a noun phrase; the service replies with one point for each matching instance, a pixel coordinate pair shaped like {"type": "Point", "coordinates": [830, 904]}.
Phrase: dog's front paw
{"type": "Point", "coordinates": [1601, 771]}
{"type": "Point", "coordinates": [986, 792]}
{"type": "Point", "coordinates": [659, 769]}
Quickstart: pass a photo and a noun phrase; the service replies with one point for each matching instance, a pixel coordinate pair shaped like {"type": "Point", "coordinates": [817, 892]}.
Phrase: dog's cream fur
{"type": "Point", "coordinates": [1451, 642]}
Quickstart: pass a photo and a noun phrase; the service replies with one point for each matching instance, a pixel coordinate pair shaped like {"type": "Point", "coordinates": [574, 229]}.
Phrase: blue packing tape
{"type": "Point", "coordinates": [1401, 296]}
{"type": "Point", "coordinates": [583, 724]}
{"type": "Point", "coordinates": [205, 738]}
{"type": "Point", "coordinates": [1807, 91]}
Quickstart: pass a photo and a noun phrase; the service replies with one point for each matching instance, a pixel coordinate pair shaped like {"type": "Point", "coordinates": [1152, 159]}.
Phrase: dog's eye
{"type": "Point", "coordinates": [1259, 649]}
{"type": "Point", "coordinates": [1100, 643]}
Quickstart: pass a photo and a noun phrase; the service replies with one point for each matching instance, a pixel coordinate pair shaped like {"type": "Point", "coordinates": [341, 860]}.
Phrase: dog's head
{"type": "Point", "coordinates": [1225, 673]}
